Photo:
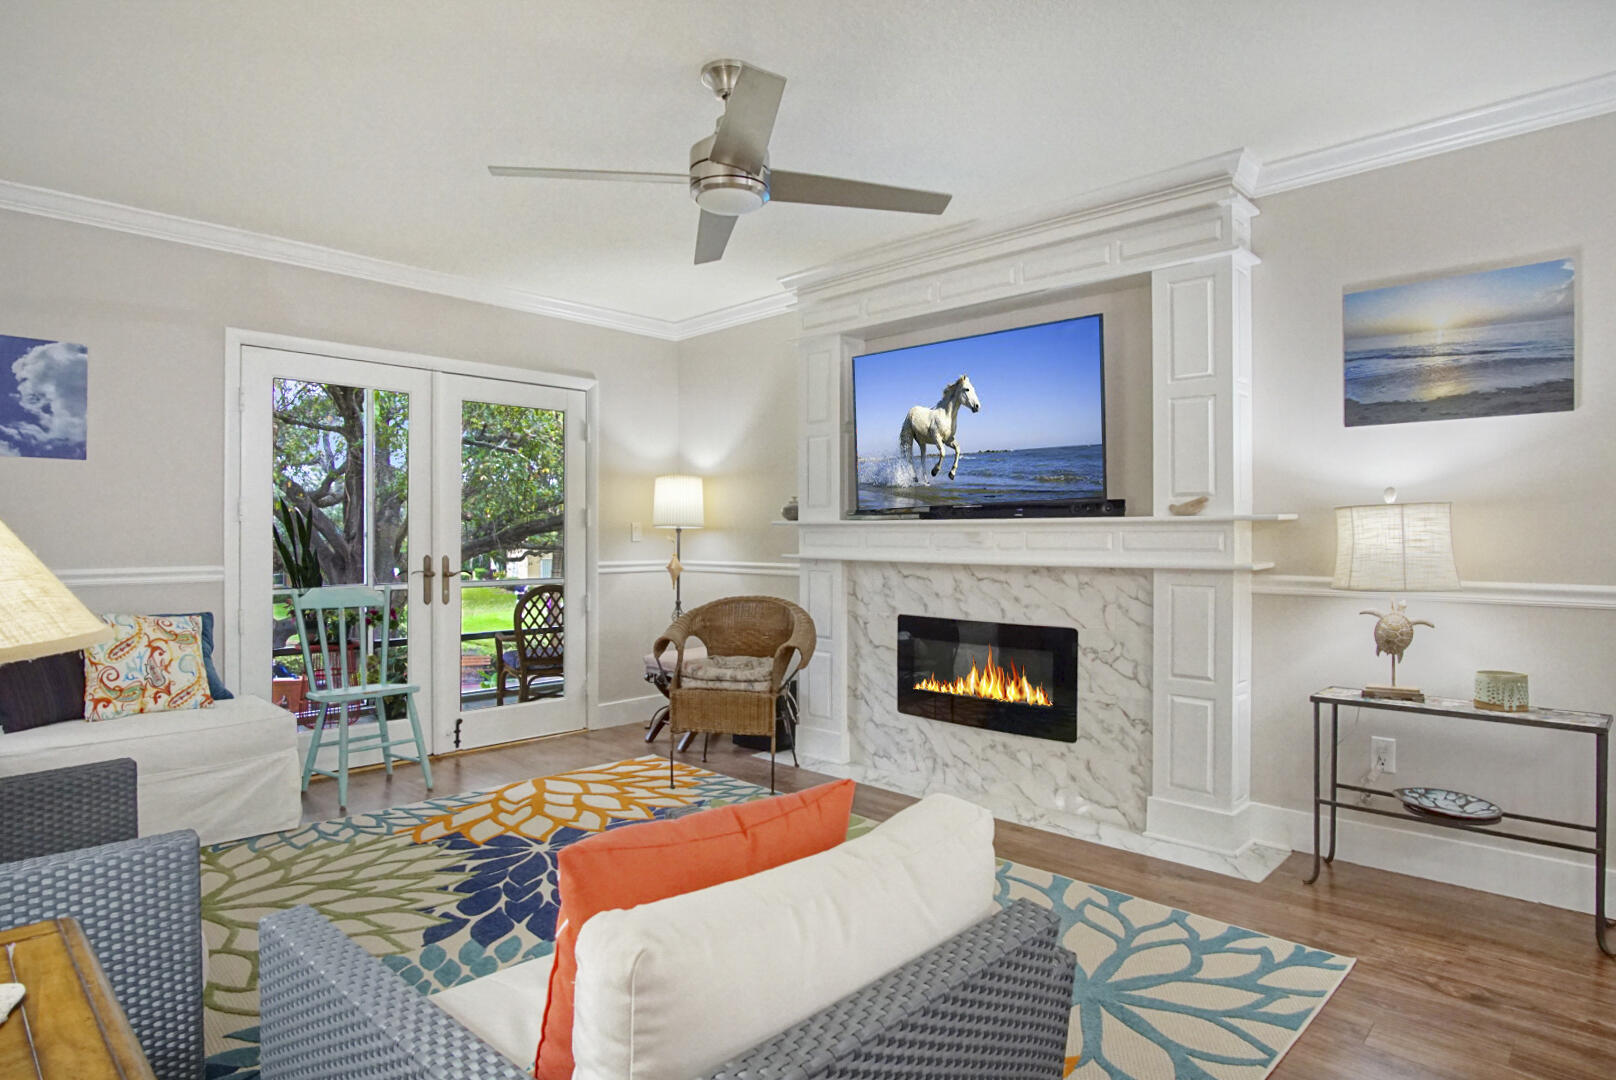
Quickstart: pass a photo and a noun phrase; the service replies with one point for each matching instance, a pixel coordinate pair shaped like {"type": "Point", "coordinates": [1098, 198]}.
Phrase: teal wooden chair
{"type": "Point", "coordinates": [334, 615]}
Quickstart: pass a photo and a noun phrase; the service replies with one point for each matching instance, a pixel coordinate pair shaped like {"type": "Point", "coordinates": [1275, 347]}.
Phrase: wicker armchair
{"type": "Point", "coordinates": [534, 648]}
{"type": "Point", "coordinates": [64, 809]}
{"type": "Point", "coordinates": [140, 905]}
{"type": "Point", "coordinates": [762, 627]}
{"type": "Point", "coordinates": [993, 1001]}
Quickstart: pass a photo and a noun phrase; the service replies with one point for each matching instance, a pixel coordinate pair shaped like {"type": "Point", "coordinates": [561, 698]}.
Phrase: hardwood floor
{"type": "Point", "coordinates": [1450, 983]}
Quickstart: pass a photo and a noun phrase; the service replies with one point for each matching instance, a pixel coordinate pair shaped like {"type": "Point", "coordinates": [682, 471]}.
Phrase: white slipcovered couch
{"type": "Point", "coordinates": [227, 771]}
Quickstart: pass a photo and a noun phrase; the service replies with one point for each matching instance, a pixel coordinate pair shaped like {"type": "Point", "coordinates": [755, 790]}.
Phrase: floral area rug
{"type": "Point", "coordinates": [452, 889]}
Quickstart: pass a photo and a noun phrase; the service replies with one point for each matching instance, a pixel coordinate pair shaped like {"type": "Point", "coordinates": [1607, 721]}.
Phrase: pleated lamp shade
{"type": "Point", "coordinates": [38, 616]}
{"type": "Point", "coordinates": [1395, 547]}
{"type": "Point", "coordinates": [676, 503]}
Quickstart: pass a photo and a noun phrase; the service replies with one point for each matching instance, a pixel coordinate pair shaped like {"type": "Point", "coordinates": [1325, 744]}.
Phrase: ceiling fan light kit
{"type": "Point", "coordinates": [729, 171]}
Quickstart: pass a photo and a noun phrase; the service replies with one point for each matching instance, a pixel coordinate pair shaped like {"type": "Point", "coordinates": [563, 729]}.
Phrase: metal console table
{"type": "Point", "coordinates": [1596, 724]}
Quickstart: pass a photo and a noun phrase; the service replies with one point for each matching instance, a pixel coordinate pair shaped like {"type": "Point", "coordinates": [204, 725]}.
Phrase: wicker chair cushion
{"type": "Point", "coordinates": [728, 673]}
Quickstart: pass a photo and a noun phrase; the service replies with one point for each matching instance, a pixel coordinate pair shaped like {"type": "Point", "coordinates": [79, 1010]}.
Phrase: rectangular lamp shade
{"type": "Point", "coordinates": [676, 503]}
{"type": "Point", "coordinates": [38, 616]}
{"type": "Point", "coordinates": [1394, 547]}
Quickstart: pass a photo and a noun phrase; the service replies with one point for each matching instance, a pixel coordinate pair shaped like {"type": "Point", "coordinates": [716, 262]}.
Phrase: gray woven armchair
{"type": "Point", "coordinates": [140, 905]}
{"type": "Point", "coordinates": [993, 1001]}
{"type": "Point", "coordinates": [62, 809]}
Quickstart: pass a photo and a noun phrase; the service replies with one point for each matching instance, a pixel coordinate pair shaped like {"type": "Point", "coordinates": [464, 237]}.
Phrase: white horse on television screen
{"type": "Point", "coordinates": [937, 426]}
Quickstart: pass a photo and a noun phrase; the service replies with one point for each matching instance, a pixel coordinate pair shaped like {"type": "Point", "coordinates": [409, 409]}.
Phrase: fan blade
{"type": "Point", "coordinates": [796, 187]}
{"type": "Point", "coordinates": [712, 235]}
{"type": "Point", "coordinates": [590, 174]}
{"type": "Point", "coordinates": [743, 134]}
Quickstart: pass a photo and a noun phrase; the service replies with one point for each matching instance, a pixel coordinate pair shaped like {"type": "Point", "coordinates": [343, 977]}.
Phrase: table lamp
{"type": "Point", "coordinates": [676, 504]}
{"type": "Point", "coordinates": [1394, 548]}
{"type": "Point", "coordinates": [38, 615]}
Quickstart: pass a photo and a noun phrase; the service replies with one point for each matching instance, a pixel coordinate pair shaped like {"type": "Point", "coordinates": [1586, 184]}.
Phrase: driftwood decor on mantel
{"type": "Point", "coordinates": [1189, 507]}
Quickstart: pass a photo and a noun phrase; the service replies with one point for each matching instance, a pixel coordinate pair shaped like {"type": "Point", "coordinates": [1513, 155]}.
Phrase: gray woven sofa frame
{"type": "Point", "coordinates": [993, 1001]}
{"type": "Point", "coordinates": [139, 901]}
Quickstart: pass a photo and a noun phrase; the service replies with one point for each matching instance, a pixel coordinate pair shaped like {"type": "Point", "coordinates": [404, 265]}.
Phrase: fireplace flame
{"type": "Point", "coordinates": [994, 683]}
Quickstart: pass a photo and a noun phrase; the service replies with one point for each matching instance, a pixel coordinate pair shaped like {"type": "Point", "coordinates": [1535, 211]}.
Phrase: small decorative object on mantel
{"type": "Point", "coordinates": [789, 510]}
{"type": "Point", "coordinates": [1188, 507]}
{"type": "Point", "coordinates": [1453, 805]}
{"type": "Point", "coordinates": [1502, 691]}
{"type": "Point", "coordinates": [1394, 547]}
{"type": "Point", "coordinates": [10, 994]}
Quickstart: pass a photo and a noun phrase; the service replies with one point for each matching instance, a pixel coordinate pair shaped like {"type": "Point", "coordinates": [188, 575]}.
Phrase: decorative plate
{"type": "Point", "coordinates": [1454, 805]}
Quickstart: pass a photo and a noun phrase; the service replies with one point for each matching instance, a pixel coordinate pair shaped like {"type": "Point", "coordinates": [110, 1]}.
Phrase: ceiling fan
{"type": "Point", "coordinates": [729, 169]}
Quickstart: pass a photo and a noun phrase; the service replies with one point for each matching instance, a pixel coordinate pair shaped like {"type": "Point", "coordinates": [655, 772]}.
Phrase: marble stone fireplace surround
{"type": "Point", "coordinates": [1103, 777]}
{"type": "Point", "coordinates": [1161, 602]}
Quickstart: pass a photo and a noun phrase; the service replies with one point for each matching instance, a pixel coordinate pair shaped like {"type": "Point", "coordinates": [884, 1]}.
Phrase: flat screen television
{"type": "Point", "coordinates": [992, 425]}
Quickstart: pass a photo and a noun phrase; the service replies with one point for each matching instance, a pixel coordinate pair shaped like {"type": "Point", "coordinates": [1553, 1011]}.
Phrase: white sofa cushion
{"type": "Point", "coordinates": [672, 989]}
{"type": "Point", "coordinates": [160, 742]}
{"type": "Point", "coordinates": [505, 1009]}
{"type": "Point", "coordinates": [227, 771]}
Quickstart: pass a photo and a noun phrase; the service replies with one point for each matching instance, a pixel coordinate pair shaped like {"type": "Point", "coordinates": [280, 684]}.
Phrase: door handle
{"type": "Point", "coordinates": [447, 577]}
{"type": "Point", "coordinates": [426, 579]}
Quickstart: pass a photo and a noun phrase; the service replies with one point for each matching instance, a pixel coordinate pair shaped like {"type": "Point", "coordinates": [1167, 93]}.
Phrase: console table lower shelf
{"type": "Point", "coordinates": [1596, 724]}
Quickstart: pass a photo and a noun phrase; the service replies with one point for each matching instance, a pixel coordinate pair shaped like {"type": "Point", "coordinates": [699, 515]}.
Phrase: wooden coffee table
{"type": "Point", "coordinates": [69, 1025]}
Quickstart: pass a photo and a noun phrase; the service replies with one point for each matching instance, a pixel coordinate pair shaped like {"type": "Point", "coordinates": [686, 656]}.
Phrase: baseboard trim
{"type": "Point", "coordinates": [1230, 833]}
{"type": "Point", "coordinates": [634, 710]}
{"type": "Point", "coordinates": [1502, 867]}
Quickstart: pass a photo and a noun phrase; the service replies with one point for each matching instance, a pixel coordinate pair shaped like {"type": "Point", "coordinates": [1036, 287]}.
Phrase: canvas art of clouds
{"type": "Point", "coordinates": [43, 395]}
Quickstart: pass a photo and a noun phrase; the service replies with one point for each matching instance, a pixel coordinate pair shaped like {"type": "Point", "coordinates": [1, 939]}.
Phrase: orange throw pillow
{"type": "Point", "coordinates": [625, 867]}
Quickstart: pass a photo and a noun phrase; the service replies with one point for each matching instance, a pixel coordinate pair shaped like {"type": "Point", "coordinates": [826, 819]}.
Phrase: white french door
{"type": "Point", "coordinates": [508, 478]}
{"type": "Point", "coordinates": [456, 493]}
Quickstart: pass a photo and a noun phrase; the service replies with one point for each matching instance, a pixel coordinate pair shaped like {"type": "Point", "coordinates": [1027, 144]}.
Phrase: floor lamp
{"type": "Point", "coordinates": [38, 615]}
{"type": "Point", "coordinates": [676, 504]}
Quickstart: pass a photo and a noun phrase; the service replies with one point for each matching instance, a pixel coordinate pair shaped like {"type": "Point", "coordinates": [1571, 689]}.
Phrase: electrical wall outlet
{"type": "Point", "coordinates": [1383, 754]}
{"type": "Point", "coordinates": [635, 534]}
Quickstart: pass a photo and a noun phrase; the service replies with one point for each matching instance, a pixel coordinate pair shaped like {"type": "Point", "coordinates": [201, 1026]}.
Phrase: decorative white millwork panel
{"type": "Point", "coordinates": [826, 375]}
{"type": "Point", "coordinates": [1164, 601]}
{"type": "Point", "coordinates": [1202, 383]}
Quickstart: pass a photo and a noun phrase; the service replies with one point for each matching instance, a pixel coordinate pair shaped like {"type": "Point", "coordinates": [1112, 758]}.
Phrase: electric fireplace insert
{"type": "Point", "coordinates": [1003, 676]}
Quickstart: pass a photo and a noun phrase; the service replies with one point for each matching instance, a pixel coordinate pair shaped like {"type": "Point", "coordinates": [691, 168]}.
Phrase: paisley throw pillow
{"type": "Point", "coordinates": [154, 663]}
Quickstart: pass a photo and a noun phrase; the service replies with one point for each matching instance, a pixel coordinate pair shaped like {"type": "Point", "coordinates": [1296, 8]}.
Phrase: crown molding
{"type": "Point", "coordinates": [83, 210]}
{"type": "Point", "coordinates": [1224, 177]}
{"type": "Point", "coordinates": [735, 315]}
{"type": "Point", "coordinates": [1501, 120]}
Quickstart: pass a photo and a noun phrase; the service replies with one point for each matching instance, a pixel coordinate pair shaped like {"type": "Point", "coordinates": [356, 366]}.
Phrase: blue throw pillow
{"type": "Point", "coordinates": [216, 688]}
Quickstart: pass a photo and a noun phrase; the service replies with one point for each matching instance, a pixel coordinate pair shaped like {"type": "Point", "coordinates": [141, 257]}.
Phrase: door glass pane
{"type": "Point", "coordinates": [341, 488]}
{"type": "Point", "coordinates": [513, 554]}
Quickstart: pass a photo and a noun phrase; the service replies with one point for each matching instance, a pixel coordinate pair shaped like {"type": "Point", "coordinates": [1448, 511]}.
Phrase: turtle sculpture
{"type": "Point", "coordinates": [1395, 630]}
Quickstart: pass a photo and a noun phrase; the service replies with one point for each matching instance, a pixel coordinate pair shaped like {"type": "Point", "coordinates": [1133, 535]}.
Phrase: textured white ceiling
{"type": "Point", "coordinates": [365, 125]}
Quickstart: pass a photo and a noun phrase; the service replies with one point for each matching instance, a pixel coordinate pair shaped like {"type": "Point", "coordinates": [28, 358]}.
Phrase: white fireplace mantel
{"type": "Point", "coordinates": [1135, 543]}
{"type": "Point", "coordinates": [1189, 237]}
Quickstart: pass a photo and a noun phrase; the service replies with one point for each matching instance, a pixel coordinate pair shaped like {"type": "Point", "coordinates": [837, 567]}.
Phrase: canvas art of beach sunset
{"type": "Point", "coordinates": [1491, 343]}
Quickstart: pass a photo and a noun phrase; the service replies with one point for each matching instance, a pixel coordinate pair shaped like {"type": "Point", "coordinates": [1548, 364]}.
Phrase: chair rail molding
{"type": "Point", "coordinates": [1498, 593]}
{"type": "Point", "coordinates": [118, 576]}
{"type": "Point", "coordinates": [1187, 233]}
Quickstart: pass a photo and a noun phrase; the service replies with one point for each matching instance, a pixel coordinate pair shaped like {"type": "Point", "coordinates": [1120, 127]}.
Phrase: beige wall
{"type": "Point", "coordinates": [1532, 495]}
{"type": "Point", "coordinates": [153, 315]}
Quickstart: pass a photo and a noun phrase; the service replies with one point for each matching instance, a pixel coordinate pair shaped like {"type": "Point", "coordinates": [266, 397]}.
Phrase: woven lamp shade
{"type": "Point", "coordinates": [676, 503]}
{"type": "Point", "coordinates": [38, 616]}
{"type": "Point", "coordinates": [1395, 547]}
